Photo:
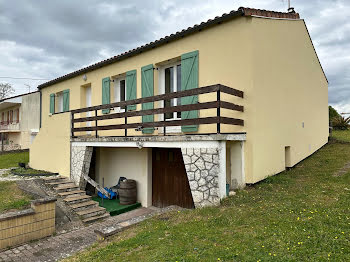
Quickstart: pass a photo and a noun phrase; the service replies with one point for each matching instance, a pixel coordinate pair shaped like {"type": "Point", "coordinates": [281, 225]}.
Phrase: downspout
{"type": "Point", "coordinates": [40, 108]}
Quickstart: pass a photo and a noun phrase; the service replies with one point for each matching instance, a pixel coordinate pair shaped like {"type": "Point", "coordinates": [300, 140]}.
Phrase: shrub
{"type": "Point", "coordinates": [340, 123]}
{"type": "Point", "coordinates": [332, 113]}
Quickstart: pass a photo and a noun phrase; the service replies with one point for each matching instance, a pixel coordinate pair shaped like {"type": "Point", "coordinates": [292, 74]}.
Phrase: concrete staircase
{"type": "Point", "coordinates": [87, 209]}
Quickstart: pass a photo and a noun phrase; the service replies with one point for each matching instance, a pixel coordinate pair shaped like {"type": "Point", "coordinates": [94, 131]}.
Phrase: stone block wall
{"type": "Point", "coordinates": [202, 168]}
{"type": "Point", "coordinates": [26, 225]}
{"type": "Point", "coordinates": [80, 164]}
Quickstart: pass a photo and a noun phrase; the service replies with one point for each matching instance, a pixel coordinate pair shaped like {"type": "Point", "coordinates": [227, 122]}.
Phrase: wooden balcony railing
{"type": "Point", "coordinates": [218, 104]}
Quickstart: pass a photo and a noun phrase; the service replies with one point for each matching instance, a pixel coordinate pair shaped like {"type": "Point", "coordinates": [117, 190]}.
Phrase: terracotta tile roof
{"type": "Point", "coordinates": [266, 13]}
{"type": "Point", "coordinates": [242, 11]}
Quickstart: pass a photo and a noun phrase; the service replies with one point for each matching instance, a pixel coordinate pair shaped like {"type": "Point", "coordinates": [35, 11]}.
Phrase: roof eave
{"type": "Point", "coordinates": [157, 43]}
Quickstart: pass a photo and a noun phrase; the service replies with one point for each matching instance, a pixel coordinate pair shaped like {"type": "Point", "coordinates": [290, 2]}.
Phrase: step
{"type": "Point", "coordinates": [66, 187]}
{"type": "Point", "coordinates": [84, 205]}
{"type": "Point", "coordinates": [72, 193]}
{"type": "Point", "coordinates": [77, 199]}
{"type": "Point", "coordinates": [52, 179]}
{"type": "Point", "coordinates": [60, 182]}
{"type": "Point", "coordinates": [96, 218]}
{"type": "Point", "coordinates": [90, 212]}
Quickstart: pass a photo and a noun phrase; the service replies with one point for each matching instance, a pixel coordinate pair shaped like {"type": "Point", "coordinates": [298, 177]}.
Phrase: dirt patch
{"type": "Point", "coordinates": [343, 170]}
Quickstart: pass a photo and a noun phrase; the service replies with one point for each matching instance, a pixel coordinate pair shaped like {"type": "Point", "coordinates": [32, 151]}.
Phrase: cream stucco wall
{"type": "Point", "coordinates": [289, 100]}
{"type": "Point", "coordinates": [50, 149]}
{"type": "Point", "coordinates": [217, 46]}
{"type": "Point", "coordinates": [133, 163]}
{"type": "Point", "coordinates": [271, 60]}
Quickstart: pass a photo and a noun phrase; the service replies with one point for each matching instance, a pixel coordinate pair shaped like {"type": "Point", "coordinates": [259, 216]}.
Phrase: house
{"type": "Point", "coordinates": [19, 121]}
{"type": "Point", "coordinates": [192, 115]}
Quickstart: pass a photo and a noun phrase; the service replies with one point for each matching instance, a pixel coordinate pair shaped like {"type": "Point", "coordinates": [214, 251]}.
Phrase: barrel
{"type": "Point", "coordinates": [127, 192]}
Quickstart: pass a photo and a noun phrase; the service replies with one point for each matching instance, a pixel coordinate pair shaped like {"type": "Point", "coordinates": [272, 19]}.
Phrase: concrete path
{"type": "Point", "coordinates": [64, 245]}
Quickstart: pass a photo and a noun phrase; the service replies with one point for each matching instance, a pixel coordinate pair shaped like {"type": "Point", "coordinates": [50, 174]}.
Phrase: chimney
{"type": "Point", "coordinates": [291, 10]}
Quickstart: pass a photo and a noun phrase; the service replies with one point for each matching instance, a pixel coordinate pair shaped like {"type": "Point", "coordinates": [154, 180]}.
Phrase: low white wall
{"type": "Point", "coordinates": [132, 163]}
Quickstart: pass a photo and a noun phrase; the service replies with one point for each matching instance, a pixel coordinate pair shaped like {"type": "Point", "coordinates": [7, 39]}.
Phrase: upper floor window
{"type": "Point", "coordinates": [11, 116]}
{"type": "Point", "coordinates": [119, 92]}
{"type": "Point", "coordinates": [3, 118]}
{"type": "Point", "coordinates": [59, 102]}
{"type": "Point", "coordinates": [170, 83]}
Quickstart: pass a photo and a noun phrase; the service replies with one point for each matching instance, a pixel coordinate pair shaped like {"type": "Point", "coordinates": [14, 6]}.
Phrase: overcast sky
{"type": "Point", "coordinates": [46, 39]}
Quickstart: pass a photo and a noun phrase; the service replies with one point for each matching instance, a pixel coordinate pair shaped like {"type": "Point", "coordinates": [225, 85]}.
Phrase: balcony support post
{"type": "Point", "coordinates": [218, 113]}
{"type": "Point", "coordinates": [72, 124]}
{"type": "Point", "coordinates": [96, 134]}
{"type": "Point", "coordinates": [126, 121]}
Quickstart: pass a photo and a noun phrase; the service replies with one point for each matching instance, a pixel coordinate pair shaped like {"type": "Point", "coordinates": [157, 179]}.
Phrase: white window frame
{"type": "Point", "coordinates": [88, 103]}
{"type": "Point", "coordinates": [59, 99]}
{"type": "Point", "coordinates": [161, 81]}
{"type": "Point", "coordinates": [117, 92]}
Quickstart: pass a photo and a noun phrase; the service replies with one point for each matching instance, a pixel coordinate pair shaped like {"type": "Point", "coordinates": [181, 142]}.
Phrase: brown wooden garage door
{"type": "Point", "coordinates": [169, 180]}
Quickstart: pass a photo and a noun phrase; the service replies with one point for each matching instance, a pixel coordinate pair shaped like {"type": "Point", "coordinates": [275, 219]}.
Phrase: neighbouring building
{"type": "Point", "coordinates": [214, 107]}
{"type": "Point", "coordinates": [19, 121]}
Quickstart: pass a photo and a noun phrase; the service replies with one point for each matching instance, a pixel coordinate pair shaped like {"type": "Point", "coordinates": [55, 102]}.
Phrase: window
{"type": "Point", "coordinates": [59, 104]}
{"type": "Point", "coordinates": [2, 118]}
{"type": "Point", "coordinates": [15, 116]}
{"type": "Point", "coordinates": [119, 92]}
{"type": "Point", "coordinates": [172, 83]}
{"type": "Point", "coordinates": [11, 116]}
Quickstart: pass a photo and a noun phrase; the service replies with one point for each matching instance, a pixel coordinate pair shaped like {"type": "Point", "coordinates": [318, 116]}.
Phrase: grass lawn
{"type": "Point", "coordinates": [11, 197]}
{"type": "Point", "coordinates": [299, 215]}
{"type": "Point", "coordinates": [343, 135]}
{"type": "Point", "coordinates": [29, 172]}
{"type": "Point", "coordinates": [12, 159]}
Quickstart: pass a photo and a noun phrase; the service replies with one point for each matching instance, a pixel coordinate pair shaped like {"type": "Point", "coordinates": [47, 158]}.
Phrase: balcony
{"type": "Point", "coordinates": [219, 112]}
{"type": "Point", "coordinates": [9, 127]}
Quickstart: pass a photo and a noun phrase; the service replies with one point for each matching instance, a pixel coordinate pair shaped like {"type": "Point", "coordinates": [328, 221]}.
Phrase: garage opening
{"type": "Point", "coordinates": [170, 184]}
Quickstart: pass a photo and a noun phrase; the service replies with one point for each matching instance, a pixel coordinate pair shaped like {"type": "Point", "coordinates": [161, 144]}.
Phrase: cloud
{"type": "Point", "coordinates": [47, 39]}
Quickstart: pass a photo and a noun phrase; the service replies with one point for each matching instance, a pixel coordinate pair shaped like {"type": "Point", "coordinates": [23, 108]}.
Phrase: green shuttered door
{"type": "Point", "coordinates": [189, 80]}
{"type": "Point", "coordinates": [131, 87]}
{"type": "Point", "coordinates": [106, 94]}
{"type": "Point", "coordinates": [52, 103]}
{"type": "Point", "coordinates": [147, 84]}
{"type": "Point", "coordinates": [66, 100]}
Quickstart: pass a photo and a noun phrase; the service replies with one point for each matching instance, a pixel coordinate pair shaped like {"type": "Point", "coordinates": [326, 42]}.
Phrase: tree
{"type": "Point", "coordinates": [6, 90]}
{"type": "Point", "coordinates": [341, 122]}
{"type": "Point", "coordinates": [332, 113]}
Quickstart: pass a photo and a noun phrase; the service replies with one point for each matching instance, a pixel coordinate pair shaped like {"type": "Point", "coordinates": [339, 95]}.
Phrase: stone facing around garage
{"type": "Point", "coordinates": [202, 167]}
{"type": "Point", "coordinates": [80, 164]}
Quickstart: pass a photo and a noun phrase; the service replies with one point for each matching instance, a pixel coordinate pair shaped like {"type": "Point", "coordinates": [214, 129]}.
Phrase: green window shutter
{"type": "Point", "coordinates": [147, 86]}
{"type": "Point", "coordinates": [106, 93]}
{"type": "Point", "coordinates": [131, 87]}
{"type": "Point", "coordinates": [66, 100]}
{"type": "Point", "coordinates": [52, 103]}
{"type": "Point", "coordinates": [189, 80]}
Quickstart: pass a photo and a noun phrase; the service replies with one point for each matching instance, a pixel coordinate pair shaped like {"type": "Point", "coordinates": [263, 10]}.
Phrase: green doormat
{"type": "Point", "coordinates": [114, 207]}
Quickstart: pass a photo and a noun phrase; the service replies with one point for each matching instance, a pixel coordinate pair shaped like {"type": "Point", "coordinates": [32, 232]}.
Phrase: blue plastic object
{"type": "Point", "coordinates": [111, 193]}
{"type": "Point", "coordinates": [227, 189]}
